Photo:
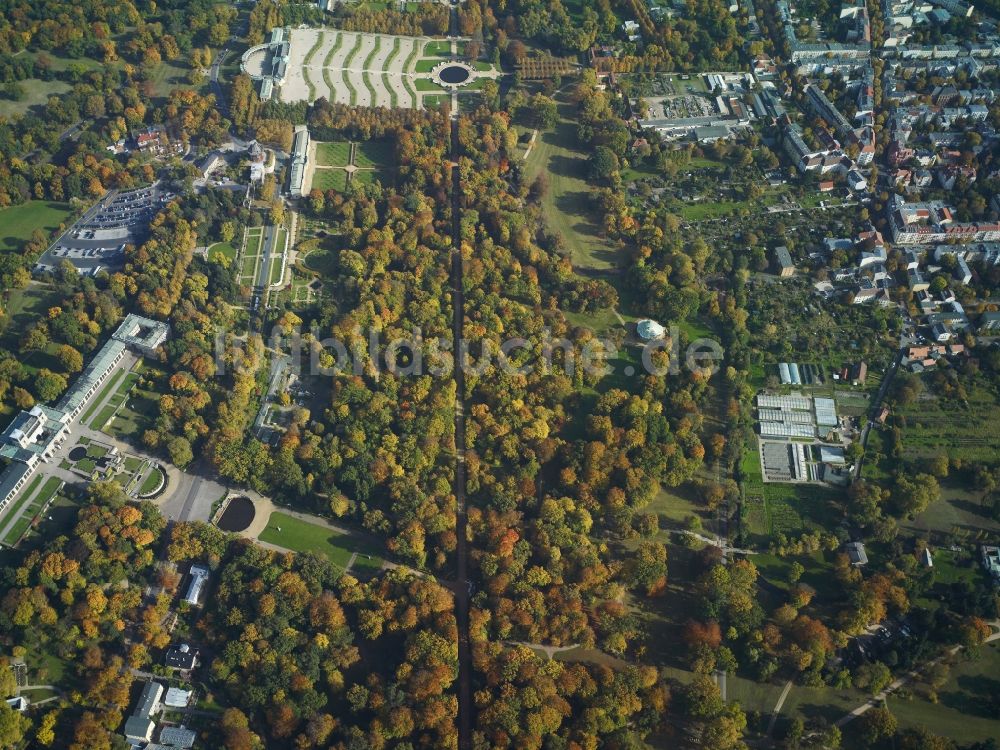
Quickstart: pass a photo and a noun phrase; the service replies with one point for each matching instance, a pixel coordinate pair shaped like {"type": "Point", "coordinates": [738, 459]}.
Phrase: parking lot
{"type": "Point", "coordinates": [97, 240]}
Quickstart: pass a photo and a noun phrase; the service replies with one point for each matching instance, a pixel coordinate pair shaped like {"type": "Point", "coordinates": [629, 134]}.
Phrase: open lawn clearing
{"type": "Point", "coordinates": [18, 223]}
{"type": "Point", "coordinates": [374, 154]}
{"type": "Point", "coordinates": [302, 536]}
{"type": "Point", "coordinates": [329, 179]}
{"type": "Point", "coordinates": [23, 307]}
{"type": "Point", "coordinates": [960, 510]}
{"type": "Point", "coordinates": [36, 93]}
{"type": "Point", "coordinates": [567, 202]}
{"type": "Point", "coordinates": [320, 255]}
{"type": "Point", "coordinates": [167, 76]}
{"type": "Point", "coordinates": [966, 707]}
{"type": "Point", "coordinates": [333, 154]}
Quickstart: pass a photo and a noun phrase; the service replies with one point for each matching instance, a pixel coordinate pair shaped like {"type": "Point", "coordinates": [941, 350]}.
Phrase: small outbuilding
{"type": "Point", "coordinates": [856, 552]}
{"type": "Point", "coordinates": [783, 264]}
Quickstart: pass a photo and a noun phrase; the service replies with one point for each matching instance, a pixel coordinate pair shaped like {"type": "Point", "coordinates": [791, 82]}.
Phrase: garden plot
{"type": "Point", "coordinates": [349, 67]}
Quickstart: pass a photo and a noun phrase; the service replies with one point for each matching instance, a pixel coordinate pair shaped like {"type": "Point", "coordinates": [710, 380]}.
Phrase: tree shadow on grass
{"type": "Point", "coordinates": [566, 166]}
{"type": "Point", "coordinates": [976, 697]}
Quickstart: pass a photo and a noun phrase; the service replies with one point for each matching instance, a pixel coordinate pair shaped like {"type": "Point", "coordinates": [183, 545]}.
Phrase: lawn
{"type": "Point", "coordinates": [567, 202]}
{"type": "Point", "coordinates": [22, 308]}
{"type": "Point", "coordinates": [425, 66]}
{"type": "Point", "coordinates": [713, 210]}
{"type": "Point", "coordinates": [432, 101]}
{"type": "Point", "coordinates": [18, 223]}
{"type": "Point", "coordinates": [366, 177]}
{"type": "Point", "coordinates": [276, 268]}
{"type": "Point", "coordinates": [374, 154]}
{"type": "Point", "coordinates": [302, 536]}
{"type": "Point", "coordinates": [333, 154]}
{"type": "Point", "coordinates": [169, 75]}
{"type": "Point", "coordinates": [151, 482]}
{"type": "Point", "coordinates": [329, 179]}
{"type": "Point", "coordinates": [787, 508]}
{"type": "Point", "coordinates": [36, 94]}
{"type": "Point", "coordinates": [322, 258]}
{"type": "Point", "coordinates": [135, 416]}
{"type": "Point", "coordinates": [225, 249]}
{"type": "Point", "coordinates": [437, 48]}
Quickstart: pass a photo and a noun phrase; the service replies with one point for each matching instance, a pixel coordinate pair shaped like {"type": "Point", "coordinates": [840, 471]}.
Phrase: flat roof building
{"type": "Point", "coordinates": [199, 574]}
{"type": "Point", "coordinates": [177, 698]}
{"type": "Point", "coordinates": [177, 737]}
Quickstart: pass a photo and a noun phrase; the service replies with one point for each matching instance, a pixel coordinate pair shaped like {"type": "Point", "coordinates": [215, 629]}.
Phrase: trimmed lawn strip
{"type": "Point", "coordinates": [367, 67]}
{"type": "Point", "coordinates": [393, 97]}
{"type": "Point", "coordinates": [38, 502]}
{"type": "Point", "coordinates": [115, 377]}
